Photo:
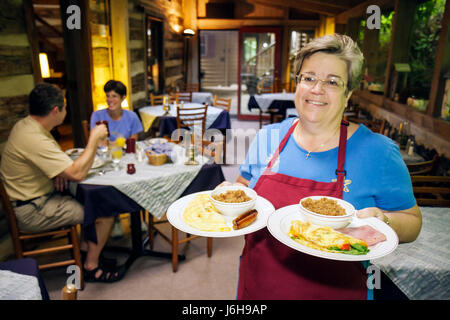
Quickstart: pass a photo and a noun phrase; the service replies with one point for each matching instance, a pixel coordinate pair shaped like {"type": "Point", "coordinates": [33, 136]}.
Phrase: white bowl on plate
{"type": "Point", "coordinates": [334, 222]}
{"type": "Point", "coordinates": [233, 209]}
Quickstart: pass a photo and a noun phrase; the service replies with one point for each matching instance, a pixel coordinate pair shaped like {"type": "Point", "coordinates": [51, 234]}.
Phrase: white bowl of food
{"type": "Point", "coordinates": [233, 200]}
{"type": "Point", "coordinates": [327, 211]}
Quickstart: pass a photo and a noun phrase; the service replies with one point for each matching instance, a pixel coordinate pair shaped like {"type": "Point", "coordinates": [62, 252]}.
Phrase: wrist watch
{"type": "Point", "coordinates": [386, 219]}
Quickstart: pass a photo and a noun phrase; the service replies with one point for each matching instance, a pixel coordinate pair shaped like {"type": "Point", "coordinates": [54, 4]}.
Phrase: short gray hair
{"type": "Point", "coordinates": [341, 46]}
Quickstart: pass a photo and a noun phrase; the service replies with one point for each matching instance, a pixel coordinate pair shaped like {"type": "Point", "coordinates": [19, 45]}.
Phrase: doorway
{"type": "Point", "coordinates": [155, 76]}
{"type": "Point", "coordinates": [259, 65]}
{"type": "Point", "coordinates": [219, 64]}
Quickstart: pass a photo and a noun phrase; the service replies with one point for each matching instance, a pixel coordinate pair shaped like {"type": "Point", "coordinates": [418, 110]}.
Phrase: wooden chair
{"type": "Point", "coordinates": [156, 227]}
{"type": "Point", "coordinates": [424, 167]}
{"type": "Point", "coordinates": [431, 190]}
{"type": "Point", "coordinates": [191, 117]}
{"type": "Point", "coordinates": [191, 87]}
{"type": "Point", "coordinates": [183, 96]}
{"type": "Point", "coordinates": [186, 118]}
{"type": "Point", "coordinates": [222, 103]}
{"type": "Point", "coordinates": [20, 239]}
{"type": "Point", "coordinates": [156, 100]}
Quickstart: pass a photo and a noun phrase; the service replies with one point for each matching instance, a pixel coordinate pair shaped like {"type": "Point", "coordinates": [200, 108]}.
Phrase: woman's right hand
{"type": "Point", "coordinates": [98, 134]}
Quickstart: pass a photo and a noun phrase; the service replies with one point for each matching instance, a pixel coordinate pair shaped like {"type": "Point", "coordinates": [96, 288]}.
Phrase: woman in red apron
{"type": "Point", "coordinates": [330, 68]}
{"type": "Point", "coordinates": [271, 270]}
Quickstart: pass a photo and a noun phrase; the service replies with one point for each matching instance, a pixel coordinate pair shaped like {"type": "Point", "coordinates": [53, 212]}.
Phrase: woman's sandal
{"type": "Point", "coordinates": [108, 274]}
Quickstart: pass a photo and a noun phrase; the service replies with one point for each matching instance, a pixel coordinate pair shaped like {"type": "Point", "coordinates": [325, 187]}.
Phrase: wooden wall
{"type": "Point", "coordinates": [16, 82]}
{"type": "Point", "coordinates": [136, 48]}
{"type": "Point", "coordinates": [171, 12]}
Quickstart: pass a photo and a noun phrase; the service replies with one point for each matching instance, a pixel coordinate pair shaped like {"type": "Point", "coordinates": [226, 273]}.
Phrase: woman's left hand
{"type": "Point", "coordinates": [372, 212]}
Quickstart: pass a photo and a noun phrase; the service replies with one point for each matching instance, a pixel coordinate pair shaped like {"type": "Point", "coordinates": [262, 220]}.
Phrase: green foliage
{"type": "Point", "coordinates": [424, 41]}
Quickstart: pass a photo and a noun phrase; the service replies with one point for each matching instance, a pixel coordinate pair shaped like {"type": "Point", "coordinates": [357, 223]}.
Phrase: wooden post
{"type": "Point", "coordinates": [352, 29]}
{"type": "Point", "coordinates": [370, 49]}
{"type": "Point", "coordinates": [400, 38]}
{"type": "Point", "coordinates": [77, 51]}
{"type": "Point", "coordinates": [119, 37]}
{"type": "Point", "coordinates": [441, 66]}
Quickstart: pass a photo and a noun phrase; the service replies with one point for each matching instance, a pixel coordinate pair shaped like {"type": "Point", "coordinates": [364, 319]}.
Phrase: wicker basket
{"type": "Point", "coordinates": [156, 159]}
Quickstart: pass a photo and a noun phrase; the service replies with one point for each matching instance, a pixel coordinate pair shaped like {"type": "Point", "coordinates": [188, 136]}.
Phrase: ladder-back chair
{"type": "Point", "coordinates": [20, 239]}
{"type": "Point", "coordinates": [431, 190]}
{"type": "Point", "coordinates": [423, 168]}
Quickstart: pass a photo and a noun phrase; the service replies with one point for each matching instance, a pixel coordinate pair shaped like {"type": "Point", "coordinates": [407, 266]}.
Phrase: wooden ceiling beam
{"type": "Point", "coordinates": [219, 24]}
{"type": "Point", "coordinates": [360, 10]}
{"type": "Point", "coordinates": [302, 5]}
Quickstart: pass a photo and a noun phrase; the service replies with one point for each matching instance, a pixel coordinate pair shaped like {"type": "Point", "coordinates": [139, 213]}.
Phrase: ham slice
{"type": "Point", "coordinates": [366, 233]}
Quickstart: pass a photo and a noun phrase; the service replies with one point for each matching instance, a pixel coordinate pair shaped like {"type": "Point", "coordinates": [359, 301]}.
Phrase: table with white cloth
{"type": "Point", "coordinates": [216, 118]}
{"type": "Point", "coordinates": [151, 188]}
{"type": "Point", "coordinates": [421, 269]}
{"type": "Point", "coordinates": [266, 101]}
{"type": "Point", "coordinates": [203, 97]}
{"type": "Point", "coordinates": [20, 279]}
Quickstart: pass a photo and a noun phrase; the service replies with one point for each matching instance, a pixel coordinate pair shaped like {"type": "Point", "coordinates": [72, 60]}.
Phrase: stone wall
{"type": "Point", "coordinates": [16, 82]}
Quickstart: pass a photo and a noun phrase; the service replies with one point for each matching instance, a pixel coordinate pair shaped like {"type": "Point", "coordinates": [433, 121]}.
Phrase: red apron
{"type": "Point", "coordinates": [272, 270]}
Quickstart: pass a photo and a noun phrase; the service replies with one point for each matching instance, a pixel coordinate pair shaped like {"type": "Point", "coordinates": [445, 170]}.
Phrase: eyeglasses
{"type": "Point", "coordinates": [330, 83]}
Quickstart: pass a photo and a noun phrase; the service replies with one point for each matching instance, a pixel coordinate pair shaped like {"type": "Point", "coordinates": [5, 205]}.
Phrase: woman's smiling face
{"type": "Point", "coordinates": [317, 103]}
{"type": "Point", "coordinates": [114, 100]}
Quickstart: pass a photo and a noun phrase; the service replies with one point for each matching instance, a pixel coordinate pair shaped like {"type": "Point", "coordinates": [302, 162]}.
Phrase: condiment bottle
{"type": "Point", "coordinates": [69, 292]}
{"type": "Point", "coordinates": [411, 148]}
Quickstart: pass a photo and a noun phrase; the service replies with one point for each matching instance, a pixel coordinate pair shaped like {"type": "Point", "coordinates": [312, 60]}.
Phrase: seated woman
{"type": "Point", "coordinates": [121, 122]}
{"type": "Point", "coordinates": [320, 154]}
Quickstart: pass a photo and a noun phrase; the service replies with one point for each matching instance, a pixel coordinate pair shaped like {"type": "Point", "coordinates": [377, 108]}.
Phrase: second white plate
{"type": "Point", "coordinates": [176, 210]}
{"type": "Point", "coordinates": [279, 224]}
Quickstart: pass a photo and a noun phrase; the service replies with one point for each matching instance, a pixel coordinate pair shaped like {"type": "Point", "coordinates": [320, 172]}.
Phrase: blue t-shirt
{"type": "Point", "coordinates": [376, 173]}
{"type": "Point", "coordinates": [128, 125]}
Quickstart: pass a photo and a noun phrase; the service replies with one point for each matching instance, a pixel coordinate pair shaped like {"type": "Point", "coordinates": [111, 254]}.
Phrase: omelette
{"type": "Point", "coordinates": [326, 239]}
{"type": "Point", "coordinates": [201, 215]}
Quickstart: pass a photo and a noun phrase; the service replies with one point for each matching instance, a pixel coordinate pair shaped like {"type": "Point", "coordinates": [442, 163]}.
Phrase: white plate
{"type": "Point", "coordinates": [74, 153]}
{"type": "Point", "coordinates": [175, 217]}
{"type": "Point", "coordinates": [279, 224]}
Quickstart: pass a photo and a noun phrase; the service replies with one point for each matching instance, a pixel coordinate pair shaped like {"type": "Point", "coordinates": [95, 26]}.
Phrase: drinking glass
{"type": "Point", "coordinates": [116, 155]}
{"type": "Point", "coordinates": [120, 141]}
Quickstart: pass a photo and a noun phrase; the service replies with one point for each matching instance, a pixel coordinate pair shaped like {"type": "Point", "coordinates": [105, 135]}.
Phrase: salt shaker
{"type": "Point", "coordinates": [411, 149]}
{"type": "Point", "coordinates": [140, 153]}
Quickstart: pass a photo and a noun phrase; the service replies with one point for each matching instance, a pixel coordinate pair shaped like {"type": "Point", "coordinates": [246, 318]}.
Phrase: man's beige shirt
{"type": "Point", "coordinates": [30, 159]}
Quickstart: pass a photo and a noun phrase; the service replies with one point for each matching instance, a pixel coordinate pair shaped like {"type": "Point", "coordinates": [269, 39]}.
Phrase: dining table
{"type": "Point", "coordinates": [109, 192]}
{"type": "Point", "coordinates": [20, 279]}
{"type": "Point", "coordinates": [203, 97]}
{"type": "Point", "coordinates": [165, 122]}
{"type": "Point", "coordinates": [278, 101]}
{"type": "Point", "coordinates": [421, 269]}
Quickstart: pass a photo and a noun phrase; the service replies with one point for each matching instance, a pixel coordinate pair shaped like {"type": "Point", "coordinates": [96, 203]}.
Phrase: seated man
{"type": "Point", "coordinates": [33, 166]}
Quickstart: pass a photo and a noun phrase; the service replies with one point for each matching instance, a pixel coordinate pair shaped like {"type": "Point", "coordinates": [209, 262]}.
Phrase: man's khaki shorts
{"type": "Point", "coordinates": [49, 212]}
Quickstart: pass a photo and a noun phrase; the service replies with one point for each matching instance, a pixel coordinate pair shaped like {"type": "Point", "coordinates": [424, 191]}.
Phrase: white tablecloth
{"type": "Point", "coordinates": [265, 100]}
{"type": "Point", "coordinates": [15, 286]}
{"type": "Point", "coordinates": [203, 97]}
{"type": "Point", "coordinates": [148, 114]}
{"type": "Point", "coordinates": [421, 269]}
{"type": "Point", "coordinates": [152, 187]}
